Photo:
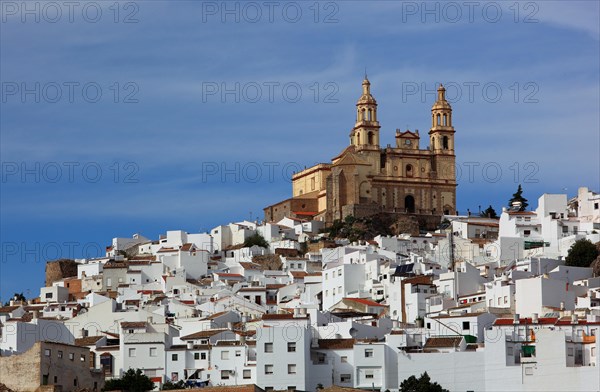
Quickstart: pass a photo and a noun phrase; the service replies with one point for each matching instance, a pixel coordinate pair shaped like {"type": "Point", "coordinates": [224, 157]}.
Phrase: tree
{"type": "Point", "coordinates": [256, 239]}
{"type": "Point", "coordinates": [16, 297]}
{"type": "Point", "coordinates": [421, 384]}
{"type": "Point", "coordinates": [132, 381]}
{"type": "Point", "coordinates": [489, 213]}
{"type": "Point", "coordinates": [581, 253]}
{"type": "Point", "coordinates": [169, 385]}
{"type": "Point", "coordinates": [518, 198]}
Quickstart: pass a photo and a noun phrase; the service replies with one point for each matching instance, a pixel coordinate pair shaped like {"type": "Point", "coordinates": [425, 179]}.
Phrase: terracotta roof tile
{"type": "Point", "coordinates": [333, 344]}
{"type": "Point", "coordinates": [87, 341]}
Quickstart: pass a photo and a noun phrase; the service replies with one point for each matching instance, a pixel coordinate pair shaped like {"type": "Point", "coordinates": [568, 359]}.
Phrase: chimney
{"type": "Point", "coordinates": [243, 339]}
{"type": "Point", "coordinates": [534, 318]}
{"type": "Point", "coordinates": [35, 314]}
{"type": "Point", "coordinates": [562, 306]}
{"type": "Point", "coordinates": [190, 344]}
{"type": "Point", "coordinates": [516, 318]}
{"type": "Point", "coordinates": [230, 325]}
{"type": "Point", "coordinates": [574, 319]}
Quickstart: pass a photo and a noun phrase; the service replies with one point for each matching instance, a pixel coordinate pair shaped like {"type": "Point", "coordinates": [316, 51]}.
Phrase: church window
{"type": "Point", "coordinates": [445, 119]}
{"type": "Point", "coordinates": [439, 120]}
{"type": "Point", "coordinates": [409, 171]}
{"type": "Point", "coordinates": [370, 138]}
{"type": "Point", "coordinates": [445, 142]}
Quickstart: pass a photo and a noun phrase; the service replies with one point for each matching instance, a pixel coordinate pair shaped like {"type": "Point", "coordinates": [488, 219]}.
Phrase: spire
{"type": "Point", "coordinates": [441, 93]}
{"type": "Point", "coordinates": [441, 102]}
{"type": "Point", "coordinates": [366, 97]}
{"type": "Point", "coordinates": [366, 85]}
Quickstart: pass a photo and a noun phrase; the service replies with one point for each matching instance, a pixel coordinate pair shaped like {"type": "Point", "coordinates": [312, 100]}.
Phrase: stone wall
{"type": "Point", "coordinates": [47, 363]}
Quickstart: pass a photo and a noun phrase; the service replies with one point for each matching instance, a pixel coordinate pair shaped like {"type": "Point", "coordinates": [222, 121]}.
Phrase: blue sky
{"type": "Point", "coordinates": [111, 128]}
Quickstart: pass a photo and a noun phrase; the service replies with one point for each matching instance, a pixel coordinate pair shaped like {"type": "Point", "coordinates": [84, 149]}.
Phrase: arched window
{"type": "Point", "coordinates": [358, 138]}
{"type": "Point", "coordinates": [370, 138]}
{"type": "Point", "coordinates": [370, 118]}
{"type": "Point", "coordinates": [364, 114]}
{"type": "Point", "coordinates": [445, 119]}
{"type": "Point", "coordinates": [409, 204]}
{"type": "Point", "coordinates": [439, 120]}
{"type": "Point", "coordinates": [445, 143]}
{"type": "Point", "coordinates": [409, 171]}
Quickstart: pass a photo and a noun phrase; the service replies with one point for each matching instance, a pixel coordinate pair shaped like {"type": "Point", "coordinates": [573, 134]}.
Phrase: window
{"type": "Point", "coordinates": [570, 351]}
{"type": "Point", "coordinates": [174, 357]}
{"type": "Point", "coordinates": [344, 359]}
{"type": "Point", "coordinates": [268, 347]}
{"type": "Point", "coordinates": [60, 354]}
{"type": "Point", "coordinates": [505, 299]}
{"type": "Point", "coordinates": [131, 353]}
{"type": "Point", "coordinates": [527, 233]}
{"type": "Point", "coordinates": [202, 355]}
{"type": "Point", "coordinates": [246, 374]}
{"type": "Point", "coordinates": [291, 347]}
{"type": "Point", "coordinates": [428, 325]}
{"type": "Point", "coordinates": [174, 376]}
{"type": "Point", "coordinates": [340, 272]}
{"type": "Point", "coordinates": [593, 351]}
{"type": "Point", "coordinates": [291, 368]}
{"type": "Point", "coordinates": [466, 325]}
{"type": "Point", "coordinates": [268, 369]}
{"type": "Point", "coordinates": [368, 353]}
{"type": "Point", "coordinates": [224, 374]}
{"type": "Point", "coordinates": [345, 378]}
{"type": "Point", "coordinates": [595, 206]}
{"type": "Point", "coordinates": [238, 353]}
{"type": "Point", "coordinates": [153, 351]}
{"type": "Point", "coordinates": [82, 358]}
{"type": "Point", "coordinates": [47, 352]}
{"type": "Point", "coordinates": [369, 374]}
{"type": "Point", "coordinates": [224, 354]}
{"type": "Point", "coordinates": [72, 356]}
{"type": "Point", "coordinates": [48, 295]}
{"type": "Point", "coordinates": [74, 382]}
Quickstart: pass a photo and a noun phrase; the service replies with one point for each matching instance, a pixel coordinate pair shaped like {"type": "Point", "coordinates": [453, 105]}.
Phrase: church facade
{"type": "Point", "coordinates": [365, 178]}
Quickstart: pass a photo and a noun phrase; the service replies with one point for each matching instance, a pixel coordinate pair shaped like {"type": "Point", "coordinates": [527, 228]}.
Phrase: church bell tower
{"type": "Point", "coordinates": [365, 134]}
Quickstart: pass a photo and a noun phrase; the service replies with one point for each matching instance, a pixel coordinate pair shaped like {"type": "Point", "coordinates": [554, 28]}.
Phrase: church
{"type": "Point", "coordinates": [366, 178]}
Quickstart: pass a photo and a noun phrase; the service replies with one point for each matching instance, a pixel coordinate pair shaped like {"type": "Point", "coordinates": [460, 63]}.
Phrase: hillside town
{"type": "Point", "coordinates": [480, 302]}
